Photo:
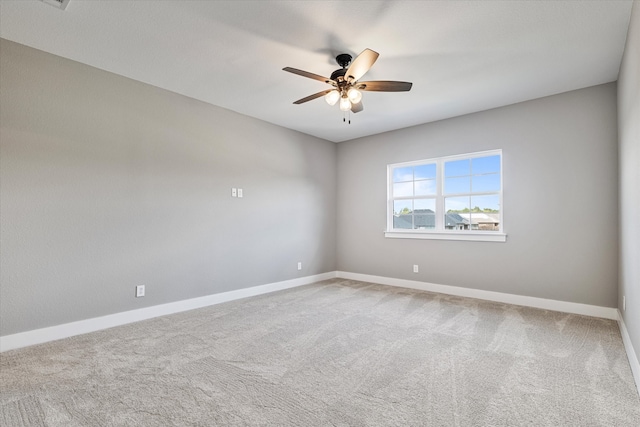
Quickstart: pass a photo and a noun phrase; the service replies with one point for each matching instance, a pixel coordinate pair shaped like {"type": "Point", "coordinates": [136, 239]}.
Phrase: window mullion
{"type": "Point", "coordinates": [390, 198]}
{"type": "Point", "coordinates": [439, 196]}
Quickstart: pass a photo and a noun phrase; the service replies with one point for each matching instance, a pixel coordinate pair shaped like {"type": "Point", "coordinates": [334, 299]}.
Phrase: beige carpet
{"type": "Point", "coordinates": [339, 353]}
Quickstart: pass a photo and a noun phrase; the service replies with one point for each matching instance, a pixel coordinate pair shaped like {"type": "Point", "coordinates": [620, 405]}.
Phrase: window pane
{"type": "Point", "coordinates": [402, 217]}
{"type": "Point", "coordinates": [457, 168]}
{"type": "Point", "coordinates": [403, 189]}
{"type": "Point", "coordinates": [485, 164]}
{"type": "Point", "coordinates": [485, 222]}
{"type": "Point", "coordinates": [485, 214]}
{"type": "Point", "coordinates": [482, 183]}
{"type": "Point", "coordinates": [424, 205]}
{"type": "Point", "coordinates": [424, 222]}
{"type": "Point", "coordinates": [486, 203]}
{"type": "Point", "coordinates": [457, 185]}
{"type": "Point", "coordinates": [456, 204]}
{"type": "Point", "coordinates": [403, 174]}
{"type": "Point", "coordinates": [402, 207]}
{"type": "Point", "coordinates": [425, 187]}
{"type": "Point", "coordinates": [455, 221]}
{"type": "Point", "coordinates": [403, 221]}
{"type": "Point", "coordinates": [425, 171]}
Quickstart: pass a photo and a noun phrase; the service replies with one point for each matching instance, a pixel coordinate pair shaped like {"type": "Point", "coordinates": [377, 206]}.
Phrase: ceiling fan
{"type": "Point", "coordinates": [346, 84]}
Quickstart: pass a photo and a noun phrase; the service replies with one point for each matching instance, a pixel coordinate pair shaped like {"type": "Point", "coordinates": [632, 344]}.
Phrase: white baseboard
{"type": "Point", "coordinates": [39, 336]}
{"type": "Point", "coordinates": [547, 304]}
{"type": "Point", "coordinates": [631, 353]}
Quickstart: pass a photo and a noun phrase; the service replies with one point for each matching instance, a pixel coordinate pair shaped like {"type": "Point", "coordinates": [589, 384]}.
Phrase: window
{"type": "Point", "coordinates": [456, 197]}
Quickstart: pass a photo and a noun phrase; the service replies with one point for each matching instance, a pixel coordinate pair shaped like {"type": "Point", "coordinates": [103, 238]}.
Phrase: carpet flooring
{"type": "Point", "coordinates": [335, 353]}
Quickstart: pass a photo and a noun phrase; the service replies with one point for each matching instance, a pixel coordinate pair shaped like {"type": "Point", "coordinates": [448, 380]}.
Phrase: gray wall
{"type": "Point", "coordinates": [107, 183]}
{"type": "Point", "coordinates": [560, 200]}
{"type": "Point", "coordinates": [629, 133]}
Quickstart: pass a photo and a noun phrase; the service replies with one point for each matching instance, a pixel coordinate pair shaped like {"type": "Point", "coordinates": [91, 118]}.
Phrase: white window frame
{"type": "Point", "coordinates": [440, 233]}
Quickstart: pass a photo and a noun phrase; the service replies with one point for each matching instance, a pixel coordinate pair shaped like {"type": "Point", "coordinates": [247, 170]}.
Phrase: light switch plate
{"type": "Point", "coordinates": [139, 291]}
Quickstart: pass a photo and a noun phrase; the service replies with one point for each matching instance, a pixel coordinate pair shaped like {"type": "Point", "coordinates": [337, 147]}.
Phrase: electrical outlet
{"type": "Point", "coordinates": [239, 192]}
{"type": "Point", "coordinates": [624, 303]}
{"type": "Point", "coordinates": [299, 265]}
{"type": "Point", "coordinates": [415, 268]}
{"type": "Point", "coordinates": [139, 291]}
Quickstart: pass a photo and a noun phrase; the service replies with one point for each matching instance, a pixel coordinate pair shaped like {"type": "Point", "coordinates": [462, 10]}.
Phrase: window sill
{"type": "Point", "coordinates": [476, 236]}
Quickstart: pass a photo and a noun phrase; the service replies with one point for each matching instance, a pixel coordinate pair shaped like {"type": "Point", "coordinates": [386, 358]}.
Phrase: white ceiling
{"type": "Point", "coordinates": [462, 56]}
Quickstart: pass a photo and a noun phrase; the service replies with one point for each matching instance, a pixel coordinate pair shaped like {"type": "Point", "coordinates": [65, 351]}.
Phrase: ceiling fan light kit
{"type": "Point", "coordinates": [332, 97]}
{"type": "Point", "coordinates": [345, 104]}
{"type": "Point", "coordinates": [345, 81]}
{"type": "Point", "coordinates": [354, 95]}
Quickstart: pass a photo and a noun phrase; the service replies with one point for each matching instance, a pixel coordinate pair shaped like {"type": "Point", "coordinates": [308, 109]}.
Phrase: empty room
{"type": "Point", "coordinates": [319, 213]}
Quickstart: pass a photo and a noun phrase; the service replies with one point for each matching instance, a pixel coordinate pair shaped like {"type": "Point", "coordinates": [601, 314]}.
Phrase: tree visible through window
{"type": "Point", "coordinates": [448, 194]}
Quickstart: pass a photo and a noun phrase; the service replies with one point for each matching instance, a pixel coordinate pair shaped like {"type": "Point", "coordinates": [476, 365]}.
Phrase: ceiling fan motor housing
{"type": "Point", "coordinates": [343, 60]}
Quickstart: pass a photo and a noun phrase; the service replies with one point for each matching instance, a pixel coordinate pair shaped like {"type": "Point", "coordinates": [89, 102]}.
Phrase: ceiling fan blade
{"type": "Point", "coordinates": [312, 97]}
{"type": "Point", "coordinates": [361, 64]}
{"type": "Point", "coordinates": [385, 86]}
{"type": "Point", "coordinates": [356, 108]}
{"type": "Point", "coordinates": [309, 75]}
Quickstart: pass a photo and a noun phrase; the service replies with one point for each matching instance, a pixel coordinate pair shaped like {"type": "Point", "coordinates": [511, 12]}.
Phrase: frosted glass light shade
{"type": "Point", "coordinates": [354, 95]}
{"type": "Point", "coordinates": [332, 97]}
{"type": "Point", "coordinates": [345, 104]}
